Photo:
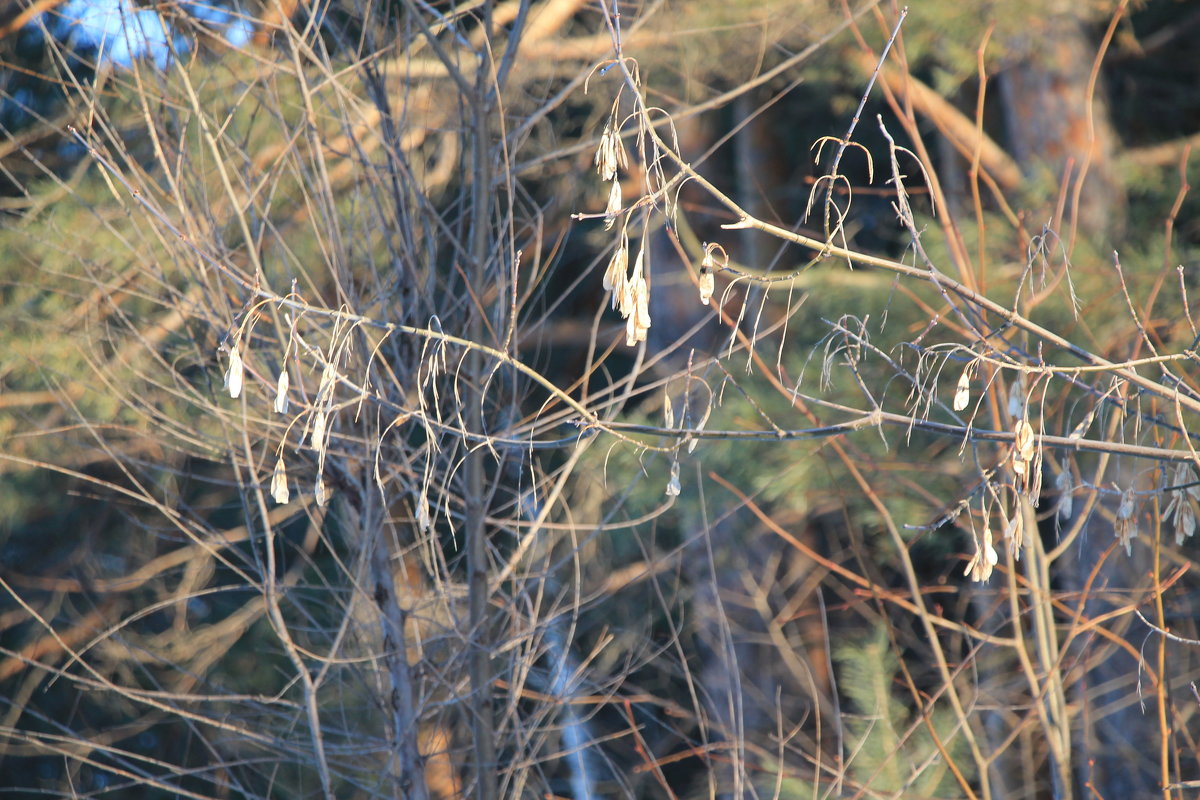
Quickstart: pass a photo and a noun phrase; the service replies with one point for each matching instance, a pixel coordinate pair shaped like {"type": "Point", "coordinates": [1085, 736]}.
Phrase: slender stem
{"type": "Point", "coordinates": [1160, 655]}
{"type": "Point", "coordinates": [401, 700]}
{"type": "Point", "coordinates": [479, 660]}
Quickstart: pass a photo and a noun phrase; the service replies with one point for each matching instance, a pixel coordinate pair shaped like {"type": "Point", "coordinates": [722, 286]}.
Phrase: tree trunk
{"type": "Point", "coordinates": [1050, 132]}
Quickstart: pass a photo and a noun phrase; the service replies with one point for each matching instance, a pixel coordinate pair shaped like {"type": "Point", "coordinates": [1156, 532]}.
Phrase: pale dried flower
{"type": "Point", "coordinates": [321, 493]}
{"type": "Point", "coordinates": [668, 411]}
{"type": "Point", "coordinates": [279, 484]}
{"type": "Point", "coordinates": [235, 373]}
{"type": "Point", "coordinates": [281, 392]}
{"type": "Point", "coordinates": [962, 392]}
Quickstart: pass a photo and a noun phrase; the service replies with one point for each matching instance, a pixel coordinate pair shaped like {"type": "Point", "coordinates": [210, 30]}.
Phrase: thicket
{"type": "Point", "coordinates": [601, 400]}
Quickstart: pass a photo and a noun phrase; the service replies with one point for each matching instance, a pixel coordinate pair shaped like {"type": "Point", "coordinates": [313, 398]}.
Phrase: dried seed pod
{"type": "Point", "coordinates": [614, 205]}
{"type": "Point", "coordinates": [1183, 502]}
{"type": "Point", "coordinates": [279, 484]}
{"type": "Point", "coordinates": [1014, 533]}
{"type": "Point", "coordinates": [610, 154]}
{"type": "Point", "coordinates": [1125, 526]}
{"type": "Point", "coordinates": [708, 281]}
{"type": "Point", "coordinates": [1079, 430]}
{"type": "Point", "coordinates": [281, 392]}
{"type": "Point", "coordinates": [424, 522]}
{"type": "Point", "coordinates": [235, 373]}
{"type": "Point", "coordinates": [1016, 398]}
{"type": "Point", "coordinates": [985, 559]}
{"type": "Point", "coordinates": [1024, 450]}
{"type": "Point", "coordinates": [962, 392]}
{"type": "Point", "coordinates": [606, 162]}
{"type": "Point", "coordinates": [615, 276]}
{"type": "Point", "coordinates": [625, 302]}
{"type": "Point", "coordinates": [328, 374]}
{"type": "Point", "coordinates": [318, 430]}
{"type": "Point", "coordinates": [1185, 475]}
{"type": "Point", "coordinates": [636, 305]}
{"type": "Point", "coordinates": [708, 284]}
{"type": "Point", "coordinates": [673, 487]}
{"type": "Point", "coordinates": [1185, 522]}
{"type": "Point", "coordinates": [1065, 484]}
{"type": "Point", "coordinates": [639, 317]}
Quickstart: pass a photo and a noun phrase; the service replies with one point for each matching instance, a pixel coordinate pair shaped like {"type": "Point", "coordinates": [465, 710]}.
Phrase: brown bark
{"type": "Point", "coordinates": [1058, 128]}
